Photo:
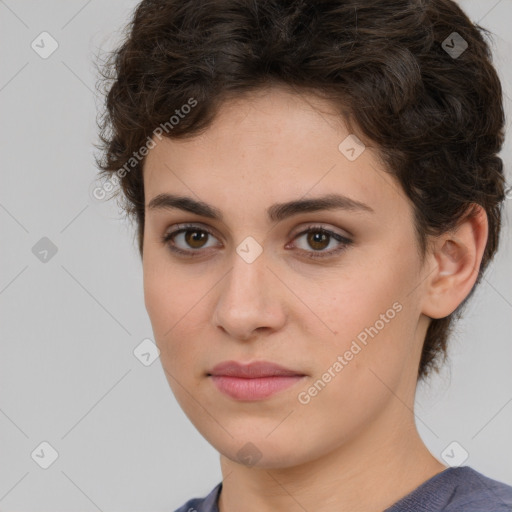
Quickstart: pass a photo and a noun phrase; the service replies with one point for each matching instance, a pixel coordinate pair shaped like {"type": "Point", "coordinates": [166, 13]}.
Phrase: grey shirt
{"type": "Point", "coordinates": [459, 489]}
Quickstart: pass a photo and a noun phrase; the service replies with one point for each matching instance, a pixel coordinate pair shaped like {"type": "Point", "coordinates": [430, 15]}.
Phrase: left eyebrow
{"type": "Point", "coordinates": [277, 212]}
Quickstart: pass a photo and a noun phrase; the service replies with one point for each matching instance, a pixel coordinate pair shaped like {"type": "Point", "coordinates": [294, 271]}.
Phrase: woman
{"type": "Point", "coordinates": [317, 193]}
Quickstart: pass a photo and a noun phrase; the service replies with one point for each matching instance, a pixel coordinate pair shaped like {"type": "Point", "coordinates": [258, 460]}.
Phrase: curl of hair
{"type": "Point", "coordinates": [437, 122]}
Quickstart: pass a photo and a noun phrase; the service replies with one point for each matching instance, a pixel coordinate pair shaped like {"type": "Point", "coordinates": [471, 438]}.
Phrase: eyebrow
{"type": "Point", "coordinates": [277, 212]}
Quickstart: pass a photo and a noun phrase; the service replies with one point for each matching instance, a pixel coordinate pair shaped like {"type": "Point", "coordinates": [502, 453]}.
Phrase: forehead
{"type": "Point", "coordinates": [269, 147]}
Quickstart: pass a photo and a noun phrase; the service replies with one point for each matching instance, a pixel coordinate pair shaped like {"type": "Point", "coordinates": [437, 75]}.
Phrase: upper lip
{"type": "Point", "coordinates": [252, 370]}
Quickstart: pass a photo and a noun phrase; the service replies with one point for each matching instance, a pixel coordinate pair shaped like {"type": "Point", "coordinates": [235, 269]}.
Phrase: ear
{"type": "Point", "coordinates": [454, 263]}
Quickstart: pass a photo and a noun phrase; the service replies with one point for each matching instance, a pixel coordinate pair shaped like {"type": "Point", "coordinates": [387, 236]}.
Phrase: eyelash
{"type": "Point", "coordinates": [344, 242]}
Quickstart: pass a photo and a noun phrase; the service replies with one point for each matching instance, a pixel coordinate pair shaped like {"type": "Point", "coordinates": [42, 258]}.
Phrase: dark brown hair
{"type": "Point", "coordinates": [393, 68]}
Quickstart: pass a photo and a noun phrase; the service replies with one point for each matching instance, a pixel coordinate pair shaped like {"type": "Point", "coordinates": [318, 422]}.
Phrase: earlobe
{"type": "Point", "coordinates": [456, 259]}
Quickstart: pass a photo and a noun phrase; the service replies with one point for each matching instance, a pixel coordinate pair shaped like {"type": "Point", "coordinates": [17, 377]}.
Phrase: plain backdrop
{"type": "Point", "coordinates": [72, 307]}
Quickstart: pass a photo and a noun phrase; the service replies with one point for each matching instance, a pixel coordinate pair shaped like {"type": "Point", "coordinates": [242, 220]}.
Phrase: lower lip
{"type": "Point", "coordinates": [253, 389]}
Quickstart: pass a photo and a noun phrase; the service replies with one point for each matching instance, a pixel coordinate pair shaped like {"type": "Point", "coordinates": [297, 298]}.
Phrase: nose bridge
{"type": "Point", "coordinates": [248, 278]}
{"type": "Point", "coordinates": [247, 299]}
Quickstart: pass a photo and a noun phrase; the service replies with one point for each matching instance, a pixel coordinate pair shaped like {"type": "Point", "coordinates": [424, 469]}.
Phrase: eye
{"type": "Point", "coordinates": [196, 238]}
{"type": "Point", "coordinates": [320, 238]}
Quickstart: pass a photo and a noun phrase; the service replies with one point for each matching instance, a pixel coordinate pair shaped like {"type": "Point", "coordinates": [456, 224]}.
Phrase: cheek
{"type": "Point", "coordinates": [356, 367]}
{"type": "Point", "coordinates": [352, 301]}
{"type": "Point", "coordinates": [369, 316]}
{"type": "Point", "coordinates": [165, 289]}
{"type": "Point", "coordinates": [166, 297]}
{"type": "Point", "coordinates": [175, 306]}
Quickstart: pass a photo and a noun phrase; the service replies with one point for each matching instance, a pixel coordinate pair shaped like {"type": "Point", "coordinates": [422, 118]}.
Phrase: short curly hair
{"type": "Point", "coordinates": [415, 77]}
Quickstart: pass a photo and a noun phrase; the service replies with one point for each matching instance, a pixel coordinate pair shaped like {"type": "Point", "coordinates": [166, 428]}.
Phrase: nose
{"type": "Point", "coordinates": [250, 300]}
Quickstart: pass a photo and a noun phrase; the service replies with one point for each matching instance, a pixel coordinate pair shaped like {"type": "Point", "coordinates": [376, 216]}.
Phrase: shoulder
{"type": "Point", "coordinates": [474, 492]}
{"type": "Point", "coordinates": [457, 489]}
{"type": "Point", "coordinates": [206, 504]}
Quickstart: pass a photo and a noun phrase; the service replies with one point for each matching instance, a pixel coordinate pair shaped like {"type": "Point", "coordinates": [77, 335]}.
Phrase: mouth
{"type": "Point", "coordinates": [254, 370]}
{"type": "Point", "coordinates": [254, 381]}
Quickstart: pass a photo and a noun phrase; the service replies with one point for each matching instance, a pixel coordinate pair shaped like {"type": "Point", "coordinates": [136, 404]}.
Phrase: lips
{"type": "Point", "coordinates": [254, 381]}
{"type": "Point", "coordinates": [255, 370]}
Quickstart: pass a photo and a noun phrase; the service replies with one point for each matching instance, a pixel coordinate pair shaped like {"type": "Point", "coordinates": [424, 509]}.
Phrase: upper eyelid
{"type": "Point", "coordinates": [183, 227]}
{"type": "Point", "coordinates": [296, 231]}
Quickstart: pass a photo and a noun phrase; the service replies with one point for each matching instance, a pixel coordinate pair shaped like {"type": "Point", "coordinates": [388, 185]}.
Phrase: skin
{"type": "Point", "coordinates": [355, 445]}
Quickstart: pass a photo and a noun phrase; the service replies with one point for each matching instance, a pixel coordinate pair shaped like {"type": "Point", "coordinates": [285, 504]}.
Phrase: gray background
{"type": "Point", "coordinates": [69, 326]}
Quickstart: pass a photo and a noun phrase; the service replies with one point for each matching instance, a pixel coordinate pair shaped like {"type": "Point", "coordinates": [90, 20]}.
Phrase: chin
{"type": "Point", "coordinates": [260, 452]}
{"type": "Point", "coordinates": [250, 457]}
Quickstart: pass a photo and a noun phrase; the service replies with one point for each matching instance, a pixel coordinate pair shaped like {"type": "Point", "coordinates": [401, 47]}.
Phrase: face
{"type": "Point", "coordinates": [330, 293]}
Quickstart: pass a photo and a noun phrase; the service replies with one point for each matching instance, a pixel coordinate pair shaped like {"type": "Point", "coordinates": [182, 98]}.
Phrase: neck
{"type": "Point", "coordinates": [384, 462]}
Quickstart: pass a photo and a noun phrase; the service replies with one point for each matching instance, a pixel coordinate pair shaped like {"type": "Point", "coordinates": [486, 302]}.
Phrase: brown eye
{"type": "Point", "coordinates": [318, 240]}
{"type": "Point", "coordinates": [188, 240]}
{"type": "Point", "coordinates": [195, 238]}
